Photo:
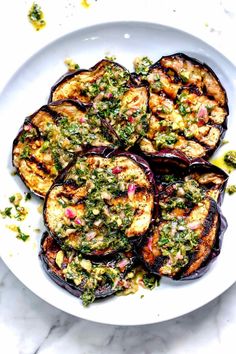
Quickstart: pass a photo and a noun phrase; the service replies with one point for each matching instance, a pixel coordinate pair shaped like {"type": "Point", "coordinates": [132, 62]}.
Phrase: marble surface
{"type": "Point", "coordinates": [28, 325]}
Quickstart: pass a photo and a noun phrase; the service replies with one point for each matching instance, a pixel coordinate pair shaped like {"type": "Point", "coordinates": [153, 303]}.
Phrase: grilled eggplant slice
{"type": "Point", "coordinates": [107, 86]}
{"type": "Point", "coordinates": [105, 79]}
{"type": "Point", "coordinates": [189, 107]}
{"type": "Point", "coordinates": [49, 139]}
{"type": "Point", "coordinates": [85, 278]}
{"type": "Point", "coordinates": [187, 234]}
{"type": "Point", "coordinates": [170, 166]}
{"type": "Point", "coordinates": [103, 200]}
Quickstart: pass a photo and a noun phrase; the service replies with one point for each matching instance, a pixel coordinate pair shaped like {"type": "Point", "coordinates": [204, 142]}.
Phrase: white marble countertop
{"type": "Point", "coordinates": [29, 325]}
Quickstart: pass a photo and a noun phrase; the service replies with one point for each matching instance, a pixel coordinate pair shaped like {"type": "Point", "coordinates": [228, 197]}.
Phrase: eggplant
{"type": "Point", "coordinates": [106, 78]}
{"type": "Point", "coordinates": [88, 279]}
{"type": "Point", "coordinates": [188, 105]}
{"type": "Point", "coordinates": [169, 165]}
{"type": "Point", "coordinates": [102, 202]}
{"type": "Point", "coordinates": [188, 231]}
{"type": "Point", "coordinates": [49, 139]}
{"type": "Point", "coordinates": [114, 98]}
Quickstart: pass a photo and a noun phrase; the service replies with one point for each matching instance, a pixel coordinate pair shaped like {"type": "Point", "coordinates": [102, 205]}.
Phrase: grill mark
{"type": "Point", "coordinates": [71, 183]}
{"type": "Point", "coordinates": [40, 165]}
{"type": "Point", "coordinates": [192, 88]}
{"type": "Point", "coordinates": [159, 262]}
{"type": "Point", "coordinates": [209, 220]}
{"type": "Point", "coordinates": [70, 197]}
{"type": "Point", "coordinates": [175, 79]}
{"type": "Point", "coordinates": [55, 115]}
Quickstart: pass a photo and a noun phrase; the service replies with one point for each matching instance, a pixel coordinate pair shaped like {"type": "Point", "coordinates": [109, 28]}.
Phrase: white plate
{"type": "Point", "coordinates": [27, 90]}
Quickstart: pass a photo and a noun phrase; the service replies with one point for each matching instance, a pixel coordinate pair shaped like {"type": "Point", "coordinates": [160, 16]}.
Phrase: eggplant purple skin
{"type": "Point", "coordinates": [107, 152]}
{"type": "Point", "coordinates": [172, 161]}
{"type": "Point", "coordinates": [68, 75]}
{"type": "Point", "coordinates": [69, 286]}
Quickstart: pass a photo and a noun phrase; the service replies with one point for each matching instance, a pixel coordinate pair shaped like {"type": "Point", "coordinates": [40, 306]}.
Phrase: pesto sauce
{"type": "Point", "coordinates": [177, 240]}
{"type": "Point", "coordinates": [230, 158]}
{"type": "Point", "coordinates": [90, 276]}
{"type": "Point", "coordinates": [142, 65]}
{"type": "Point", "coordinates": [16, 211]}
{"type": "Point", "coordinates": [36, 17]}
{"type": "Point", "coordinates": [107, 222]}
{"type": "Point", "coordinates": [165, 140]}
{"type": "Point", "coordinates": [184, 195]}
{"type": "Point", "coordinates": [231, 189]}
{"type": "Point", "coordinates": [71, 64]}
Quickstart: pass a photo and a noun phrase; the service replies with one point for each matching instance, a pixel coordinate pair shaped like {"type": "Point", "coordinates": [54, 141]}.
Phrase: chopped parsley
{"type": "Point", "coordinates": [111, 57]}
{"type": "Point", "coordinates": [28, 196]}
{"type": "Point", "coordinates": [231, 189]}
{"type": "Point", "coordinates": [21, 235]}
{"type": "Point", "coordinates": [150, 281]}
{"type": "Point", "coordinates": [36, 17]}
{"type": "Point", "coordinates": [142, 65]}
{"type": "Point", "coordinates": [165, 140]}
{"type": "Point", "coordinates": [71, 64]}
{"type": "Point", "coordinates": [6, 212]}
{"type": "Point", "coordinates": [19, 213]}
{"type": "Point", "coordinates": [25, 153]}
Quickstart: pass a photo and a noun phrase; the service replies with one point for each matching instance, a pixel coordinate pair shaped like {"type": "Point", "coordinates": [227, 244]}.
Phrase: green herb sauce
{"type": "Point", "coordinates": [36, 17]}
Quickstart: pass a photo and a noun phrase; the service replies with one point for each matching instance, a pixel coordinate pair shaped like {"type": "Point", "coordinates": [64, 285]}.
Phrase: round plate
{"type": "Point", "coordinates": [27, 90]}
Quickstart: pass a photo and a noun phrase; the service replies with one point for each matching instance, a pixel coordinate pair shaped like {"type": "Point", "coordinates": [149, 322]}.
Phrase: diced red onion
{"type": "Point", "coordinates": [131, 119]}
{"type": "Point", "coordinates": [116, 170]}
{"type": "Point", "coordinates": [149, 244]}
{"type": "Point", "coordinates": [122, 263]}
{"type": "Point", "coordinates": [69, 213]}
{"type": "Point", "coordinates": [90, 235]}
{"type": "Point", "coordinates": [131, 190]}
{"type": "Point", "coordinates": [202, 112]}
{"type": "Point", "coordinates": [78, 221]}
{"type": "Point", "coordinates": [194, 225]}
{"type": "Point", "coordinates": [82, 120]}
{"type": "Point", "coordinates": [28, 127]}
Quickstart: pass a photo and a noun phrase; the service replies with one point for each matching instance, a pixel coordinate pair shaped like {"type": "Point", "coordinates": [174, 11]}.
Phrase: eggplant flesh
{"type": "Point", "coordinates": [50, 138]}
{"type": "Point", "coordinates": [85, 278]}
{"type": "Point", "coordinates": [187, 232]}
{"type": "Point", "coordinates": [101, 201]}
{"type": "Point", "coordinates": [188, 105]}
